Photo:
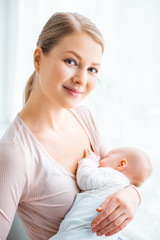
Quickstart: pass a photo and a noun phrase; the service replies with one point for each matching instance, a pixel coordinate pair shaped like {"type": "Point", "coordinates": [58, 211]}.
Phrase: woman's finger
{"type": "Point", "coordinates": [108, 207]}
{"type": "Point", "coordinates": [113, 218]}
{"type": "Point", "coordinates": [119, 228]}
{"type": "Point", "coordinates": [115, 225]}
{"type": "Point", "coordinates": [117, 212]}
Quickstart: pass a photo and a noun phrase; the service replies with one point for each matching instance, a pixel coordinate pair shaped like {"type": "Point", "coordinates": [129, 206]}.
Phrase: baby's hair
{"type": "Point", "coordinates": [143, 174]}
{"type": "Point", "coordinates": [58, 26]}
{"type": "Point", "coordinates": [141, 165]}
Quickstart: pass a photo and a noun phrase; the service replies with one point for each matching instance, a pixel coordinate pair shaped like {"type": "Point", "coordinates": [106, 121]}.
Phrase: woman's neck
{"type": "Point", "coordinates": [39, 114]}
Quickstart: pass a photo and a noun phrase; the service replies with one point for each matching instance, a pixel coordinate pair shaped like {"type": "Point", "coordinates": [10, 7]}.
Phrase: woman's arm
{"type": "Point", "coordinates": [116, 212]}
{"type": "Point", "coordinates": [12, 182]}
{"type": "Point", "coordinates": [119, 208]}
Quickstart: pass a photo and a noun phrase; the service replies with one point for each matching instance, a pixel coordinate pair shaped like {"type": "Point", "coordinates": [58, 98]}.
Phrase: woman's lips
{"type": "Point", "coordinates": [72, 91]}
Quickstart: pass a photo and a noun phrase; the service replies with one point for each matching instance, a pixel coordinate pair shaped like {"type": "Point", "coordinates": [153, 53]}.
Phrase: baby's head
{"type": "Point", "coordinates": [132, 162]}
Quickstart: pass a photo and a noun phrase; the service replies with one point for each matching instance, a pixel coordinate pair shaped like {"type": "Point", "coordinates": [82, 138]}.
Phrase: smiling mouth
{"type": "Point", "coordinates": [72, 91]}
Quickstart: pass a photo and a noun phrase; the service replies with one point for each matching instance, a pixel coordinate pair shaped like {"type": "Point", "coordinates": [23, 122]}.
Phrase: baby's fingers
{"type": "Point", "coordinates": [87, 153]}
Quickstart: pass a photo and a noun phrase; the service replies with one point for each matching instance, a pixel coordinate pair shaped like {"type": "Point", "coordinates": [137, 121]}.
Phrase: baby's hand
{"type": "Point", "coordinates": [90, 154]}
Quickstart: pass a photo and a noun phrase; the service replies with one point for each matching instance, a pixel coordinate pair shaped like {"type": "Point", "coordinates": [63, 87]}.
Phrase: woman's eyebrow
{"type": "Point", "coordinates": [73, 52]}
{"type": "Point", "coordinates": [78, 56]}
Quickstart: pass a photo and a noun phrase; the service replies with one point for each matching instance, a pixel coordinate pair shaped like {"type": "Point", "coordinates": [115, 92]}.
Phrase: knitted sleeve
{"type": "Point", "coordinates": [90, 176]}
{"type": "Point", "coordinates": [12, 184]}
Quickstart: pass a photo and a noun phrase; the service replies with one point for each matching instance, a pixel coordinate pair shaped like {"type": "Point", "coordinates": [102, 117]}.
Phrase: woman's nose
{"type": "Point", "coordinates": [80, 77]}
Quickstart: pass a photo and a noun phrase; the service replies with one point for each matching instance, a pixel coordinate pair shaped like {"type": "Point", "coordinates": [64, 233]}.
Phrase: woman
{"type": "Point", "coordinates": [41, 148]}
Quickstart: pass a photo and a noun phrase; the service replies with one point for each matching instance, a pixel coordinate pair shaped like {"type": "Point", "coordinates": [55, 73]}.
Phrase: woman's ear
{"type": "Point", "coordinates": [37, 58]}
{"type": "Point", "coordinates": [121, 165]}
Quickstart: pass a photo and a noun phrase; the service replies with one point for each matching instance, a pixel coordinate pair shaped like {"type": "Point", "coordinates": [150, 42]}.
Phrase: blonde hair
{"type": "Point", "coordinates": [59, 25]}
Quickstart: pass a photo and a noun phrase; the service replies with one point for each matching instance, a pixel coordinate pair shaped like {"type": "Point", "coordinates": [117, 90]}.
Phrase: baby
{"type": "Point", "coordinates": [97, 179]}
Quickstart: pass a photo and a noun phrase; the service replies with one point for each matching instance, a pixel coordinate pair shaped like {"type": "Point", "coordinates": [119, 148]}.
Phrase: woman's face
{"type": "Point", "coordinates": [70, 71]}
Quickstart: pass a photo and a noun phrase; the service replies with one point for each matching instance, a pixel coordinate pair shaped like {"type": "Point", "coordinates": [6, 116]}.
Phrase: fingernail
{"type": "Point", "coordinates": [100, 208]}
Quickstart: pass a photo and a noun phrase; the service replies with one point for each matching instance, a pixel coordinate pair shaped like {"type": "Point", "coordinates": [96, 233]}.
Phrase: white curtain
{"type": "Point", "coordinates": [126, 102]}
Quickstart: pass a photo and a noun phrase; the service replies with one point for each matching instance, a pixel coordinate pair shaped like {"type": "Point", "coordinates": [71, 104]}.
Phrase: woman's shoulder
{"type": "Point", "coordinates": [9, 146]}
{"type": "Point", "coordinates": [12, 141]}
{"type": "Point", "coordinates": [13, 153]}
{"type": "Point", "coordinates": [13, 162]}
{"type": "Point", "coordinates": [11, 133]}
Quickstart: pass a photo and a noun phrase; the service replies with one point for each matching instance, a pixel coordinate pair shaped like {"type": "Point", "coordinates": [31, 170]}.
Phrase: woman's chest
{"type": "Point", "coordinates": [68, 153]}
{"type": "Point", "coordinates": [51, 194]}
{"type": "Point", "coordinates": [53, 186]}
{"type": "Point", "coordinates": [67, 147]}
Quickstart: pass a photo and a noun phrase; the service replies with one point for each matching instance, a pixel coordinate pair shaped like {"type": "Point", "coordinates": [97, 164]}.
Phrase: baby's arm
{"type": "Point", "coordinates": [89, 175]}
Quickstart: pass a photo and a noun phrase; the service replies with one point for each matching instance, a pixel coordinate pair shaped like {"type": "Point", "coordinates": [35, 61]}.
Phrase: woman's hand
{"type": "Point", "coordinates": [116, 212]}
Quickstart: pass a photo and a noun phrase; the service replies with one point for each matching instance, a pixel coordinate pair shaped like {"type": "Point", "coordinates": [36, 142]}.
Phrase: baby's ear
{"type": "Point", "coordinates": [121, 164]}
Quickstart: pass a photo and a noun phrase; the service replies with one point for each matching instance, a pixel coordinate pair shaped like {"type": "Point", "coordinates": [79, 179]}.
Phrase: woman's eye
{"type": "Point", "coordinates": [70, 61]}
{"type": "Point", "coordinates": [93, 70]}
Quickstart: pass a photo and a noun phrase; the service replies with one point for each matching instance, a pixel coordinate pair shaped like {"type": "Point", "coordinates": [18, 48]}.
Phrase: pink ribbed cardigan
{"type": "Point", "coordinates": [32, 183]}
